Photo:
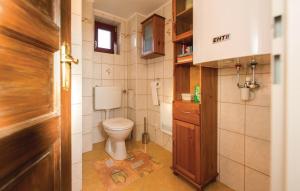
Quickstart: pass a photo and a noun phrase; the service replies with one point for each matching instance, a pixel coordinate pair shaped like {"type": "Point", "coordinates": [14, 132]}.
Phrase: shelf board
{"type": "Point", "coordinates": [187, 59]}
{"type": "Point", "coordinates": [186, 14]}
{"type": "Point", "coordinates": [187, 102]}
{"type": "Point", "coordinates": [184, 36]}
{"type": "Point", "coordinates": [183, 63]}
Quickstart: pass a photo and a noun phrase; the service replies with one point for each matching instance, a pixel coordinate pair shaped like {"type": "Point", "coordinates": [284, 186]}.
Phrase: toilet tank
{"type": "Point", "coordinates": [107, 98]}
{"type": "Point", "coordinates": [224, 29]}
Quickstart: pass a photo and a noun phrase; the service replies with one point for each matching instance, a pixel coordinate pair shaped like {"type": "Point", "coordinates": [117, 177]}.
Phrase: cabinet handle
{"type": "Point", "coordinates": [186, 112]}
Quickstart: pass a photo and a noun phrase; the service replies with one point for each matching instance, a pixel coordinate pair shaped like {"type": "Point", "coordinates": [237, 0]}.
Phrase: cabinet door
{"type": "Point", "coordinates": [148, 37]}
{"type": "Point", "coordinates": [186, 149]}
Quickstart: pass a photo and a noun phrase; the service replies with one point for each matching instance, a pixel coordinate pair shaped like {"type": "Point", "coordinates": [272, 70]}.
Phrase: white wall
{"type": "Point", "coordinates": [161, 68]}
{"type": "Point", "coordinates": [292, 95]}
{"type": "Point", "coordinates": [100, 69]}
{"type": "Point", "coordinates": [76, 108]}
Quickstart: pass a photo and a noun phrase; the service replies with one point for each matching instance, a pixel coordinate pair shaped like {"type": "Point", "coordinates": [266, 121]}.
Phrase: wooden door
{"type": "Point", "coordinates": [33, 123]}
{"type": "Point", "coordinates": [186, 149]}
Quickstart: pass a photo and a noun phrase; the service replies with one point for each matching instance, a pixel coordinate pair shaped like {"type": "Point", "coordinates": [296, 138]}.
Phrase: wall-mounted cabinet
{"type": "Point", "coordinates": [153, 37]}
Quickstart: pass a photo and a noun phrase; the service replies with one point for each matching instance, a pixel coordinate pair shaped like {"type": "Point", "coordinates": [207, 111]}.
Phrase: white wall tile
{"type": "Point", "coordinates": [88, 87]}
{"type": "Point", "coordinates": [76, 118]}
{"type": "Point", "coordinates": [76, 148]}
{"type": "Point", "coordinates": [76, 29]}
{"type": "Point", "coordinates": [76, 53]}
{"type": "Point", "coordinates": [76, 89]}
{"type": "Point", "coordinates": [87, 105]}
{"type": "Point", "coordinates": [87, 124]}
{"type": "Point", "coordinates": [98, 134]}
{"type": "Point", "coordinates": [87, 144]}
{"type": "Point", "coordinates": [87, 69]}
{"type": "Point", "coordinates": [77, 176]}
{"type": "Point", "coordinates": [76, 6]}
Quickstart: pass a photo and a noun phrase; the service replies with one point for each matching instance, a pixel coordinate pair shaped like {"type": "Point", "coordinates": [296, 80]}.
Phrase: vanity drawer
{"type": "Point", "coordinates": [187, 111]}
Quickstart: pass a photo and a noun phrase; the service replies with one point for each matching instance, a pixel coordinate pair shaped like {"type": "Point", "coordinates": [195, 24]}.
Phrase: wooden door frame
{"type": "Point", "coordinates": [66, 163]}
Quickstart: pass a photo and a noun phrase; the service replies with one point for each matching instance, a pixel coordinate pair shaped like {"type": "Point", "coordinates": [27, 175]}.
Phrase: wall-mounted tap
{"type": "Point", "coordinates": [238, 67]}
{"type": "Point", "coordinates": [250, 82]}
{"type": "Point", "coordinates": [253, 84]}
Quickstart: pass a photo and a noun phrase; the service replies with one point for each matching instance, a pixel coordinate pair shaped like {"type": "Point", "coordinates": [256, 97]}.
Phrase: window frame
{"type": "Point", "coordinates": [108, 27]}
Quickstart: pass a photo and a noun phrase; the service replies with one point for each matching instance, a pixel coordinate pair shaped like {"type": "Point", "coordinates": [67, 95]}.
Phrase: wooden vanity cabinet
{"type": "Point", "coordinates": [186, 149]}
{"type": "Point", "coordinates": [153, 37]}
{"type": "Point", "coordinates": [195, 133]}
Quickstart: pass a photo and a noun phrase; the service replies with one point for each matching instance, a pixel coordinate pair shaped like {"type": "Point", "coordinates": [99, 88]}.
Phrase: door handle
{"type": "Point", "coordinates": [66, 60]}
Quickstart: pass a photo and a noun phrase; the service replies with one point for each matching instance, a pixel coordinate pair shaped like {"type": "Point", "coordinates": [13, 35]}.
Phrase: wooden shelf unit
{"type": "Point", "coordinates": [194, 153]}
{"type": "Point", "coordinates": [186, 36]}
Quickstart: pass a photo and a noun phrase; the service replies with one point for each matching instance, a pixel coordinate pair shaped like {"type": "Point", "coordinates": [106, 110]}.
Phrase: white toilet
{"type": "Point", "coordinates": [118, 129]}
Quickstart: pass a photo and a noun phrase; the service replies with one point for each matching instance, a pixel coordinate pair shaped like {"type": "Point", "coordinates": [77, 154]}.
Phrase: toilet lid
{"type": "Point", "coordinates": [117, 124]}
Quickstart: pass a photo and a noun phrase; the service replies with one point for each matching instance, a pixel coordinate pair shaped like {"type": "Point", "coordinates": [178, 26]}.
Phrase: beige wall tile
{"type": "Point", "coordinates": [169, 54]}
{"type": "Point", "coordinates": [168, 68]}
{"type": "Point", "coordinates": [87, 69]}
{"type": "Point", "coordinates": [168, 87]}
{"type": "Point", "coordinates": [256, 181]}
{"type": "Point", "coordinates": [141, 71]}
{"type": "Point", "coordinates": [97, 71]}
{"type": "Point", "coordinates": [88, 31]}
{"type": "Point", "coordinates": [230, 71]}
{"type": "Point", "coordinates": [107, 58]}
{"type": "Point", "coordinates": [141, 87]}
{"type": "Point", "coordinates": [232, 117]}
{"type": "Point", "coordinates": [140, 114]}
{"type": "Point", "coordinates": [229, 90]}
{"type": "Point", "coordinates": [257, 154]}
{"type": "Point", "coordinates": [232, 174]}
{"type": "Point", "coordinates": [263, 93]}
{"type": "Point", "coordinates": [159, 70]}
{"type": "Point", "coordinates": [150, 71]}
{"type": "Point", "coordinates": [107, 72]}
{"type": "Point", "coordinates": [232, 146]}
{"type": "Point", "coordinates": [87, 50]}
{"type": "Point", "coordinates": [141, 102]}
{"type": "Point", "coordinates": [258, 122]}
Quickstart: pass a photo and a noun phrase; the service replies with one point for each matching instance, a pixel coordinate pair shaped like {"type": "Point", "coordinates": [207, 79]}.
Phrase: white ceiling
{"type": "Point", "coordinates": [125, 8]}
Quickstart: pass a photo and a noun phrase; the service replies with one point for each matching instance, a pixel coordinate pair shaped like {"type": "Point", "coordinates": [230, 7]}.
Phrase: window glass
{"type": "Point", "coordinates": [104, 39]}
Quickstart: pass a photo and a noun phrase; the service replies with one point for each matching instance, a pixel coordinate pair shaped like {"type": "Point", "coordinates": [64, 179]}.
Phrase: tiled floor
{"type": "Point", "coordinates": [160, 180]}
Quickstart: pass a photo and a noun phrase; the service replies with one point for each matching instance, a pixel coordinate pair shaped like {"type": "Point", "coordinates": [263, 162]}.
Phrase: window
{"type": "Point", "coordinates": [105, 37]}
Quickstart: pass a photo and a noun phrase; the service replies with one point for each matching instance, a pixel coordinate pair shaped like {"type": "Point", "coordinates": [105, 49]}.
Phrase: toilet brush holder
{"type": "Point", "coordinates": [145, 136]}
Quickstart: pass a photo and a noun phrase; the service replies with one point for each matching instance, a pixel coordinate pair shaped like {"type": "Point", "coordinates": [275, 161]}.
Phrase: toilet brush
{"type": "Point", "coordinates": [145, 136]}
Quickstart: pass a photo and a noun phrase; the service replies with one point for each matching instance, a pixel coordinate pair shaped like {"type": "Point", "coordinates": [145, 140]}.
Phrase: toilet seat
{"type": "Point", "coordinates": [117, 124]}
